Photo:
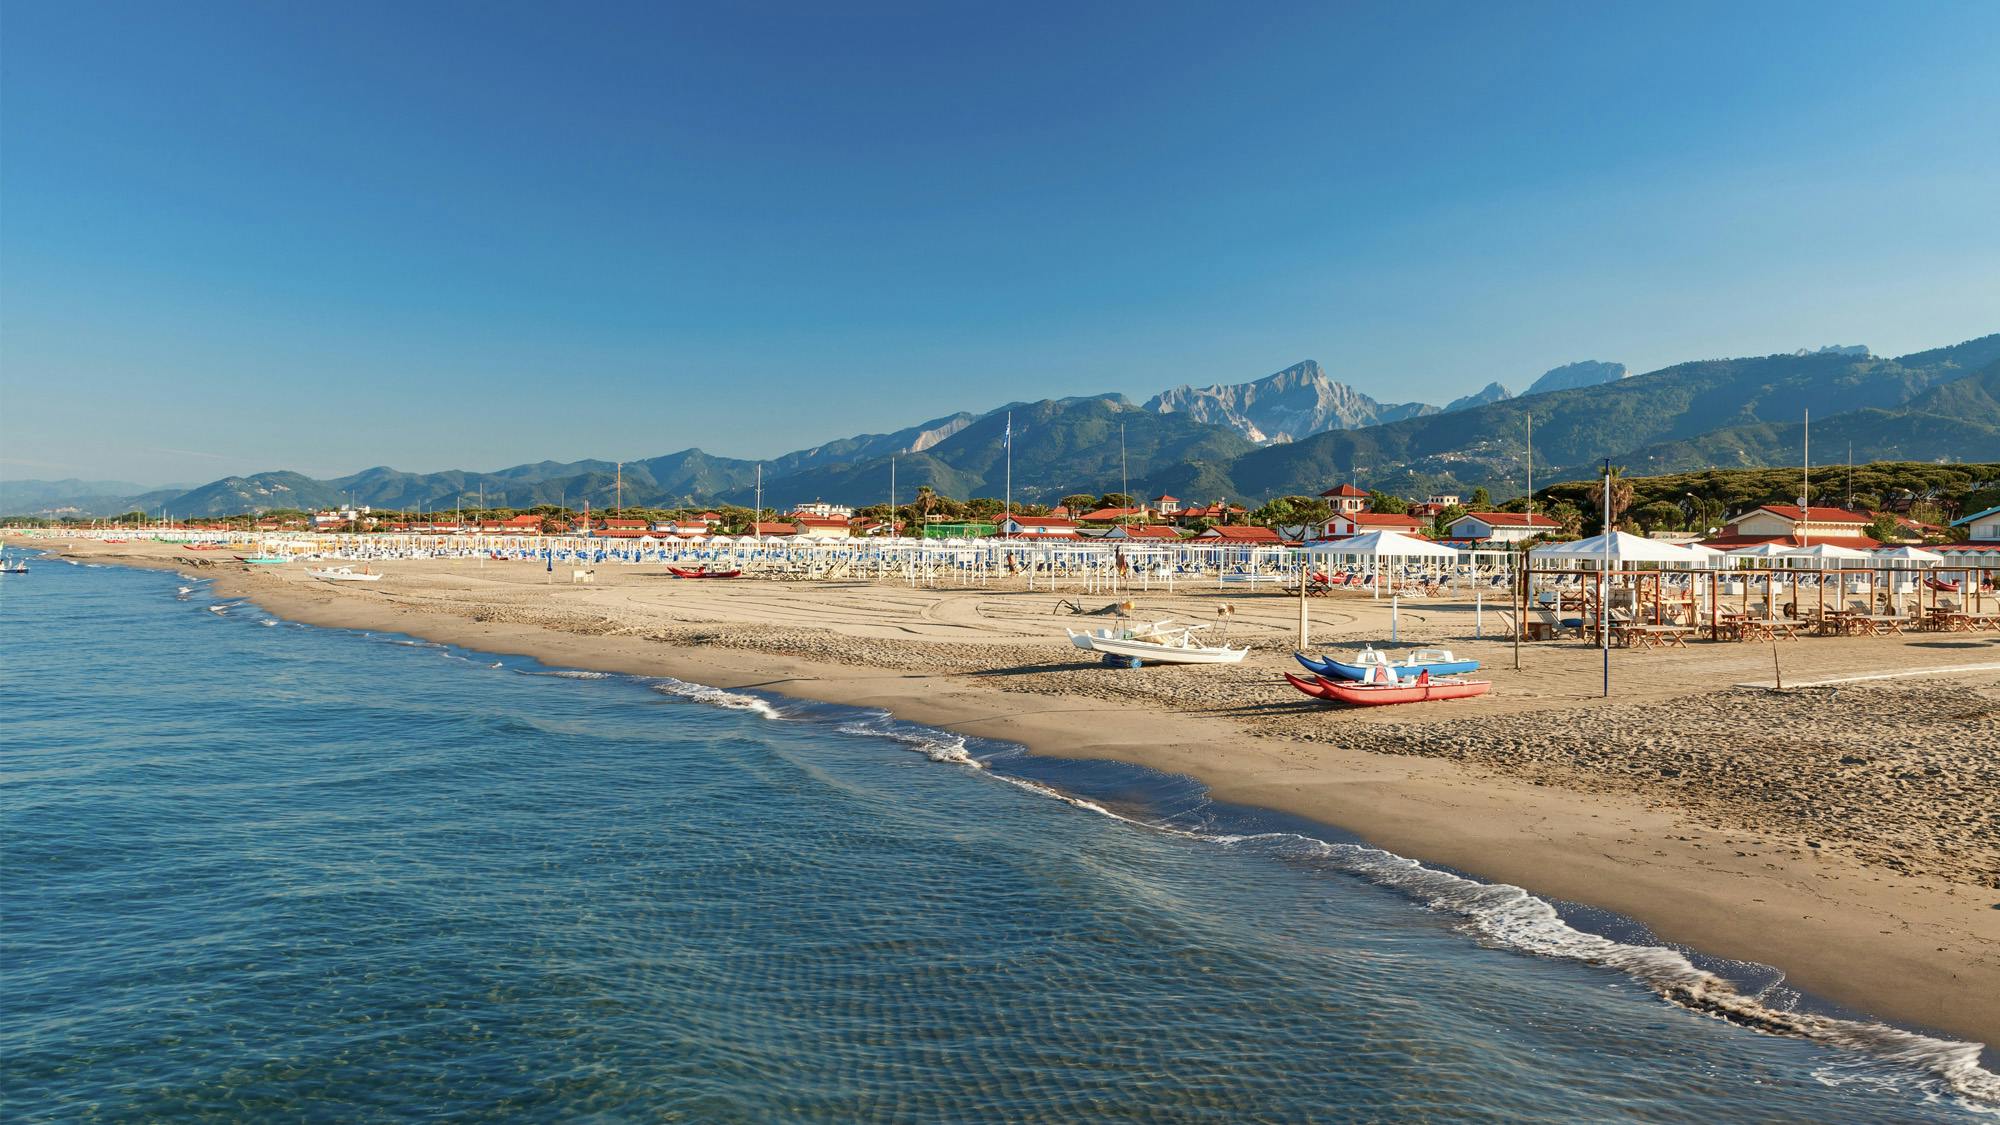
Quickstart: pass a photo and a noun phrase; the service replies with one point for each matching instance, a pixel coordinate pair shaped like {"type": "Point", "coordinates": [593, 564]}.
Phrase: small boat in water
{"type": "Point", "coordinates": [1386, 689]}
{"type": "Point", "coordinates": [12, 566]}
{"type": "Point", "coordinates": [702, 572]}
{"type": "Point", "coordinates": [1161, 643]}
{"type": "Point", "coordinates": [1436, 661]}
{"type": "Point", "coordinates": [344, 574]}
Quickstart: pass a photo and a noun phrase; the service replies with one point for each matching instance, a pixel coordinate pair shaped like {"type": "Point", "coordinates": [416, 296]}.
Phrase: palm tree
{"type": "Point", "coordinates": [1621, 495]}
{"type": "Point", "coordinates": [926, 500]}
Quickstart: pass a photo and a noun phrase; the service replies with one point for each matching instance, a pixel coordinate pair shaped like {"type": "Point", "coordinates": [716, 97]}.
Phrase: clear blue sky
{"type": "Point", "coordinates": [434, 235]}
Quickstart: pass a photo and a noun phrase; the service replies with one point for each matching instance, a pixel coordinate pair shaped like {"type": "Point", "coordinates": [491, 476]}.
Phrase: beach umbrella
{"type": "Point", "coordinates": [1761, 551]}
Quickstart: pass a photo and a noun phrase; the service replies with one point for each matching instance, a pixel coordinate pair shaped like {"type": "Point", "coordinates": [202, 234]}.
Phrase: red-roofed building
{"type": "Point", "coordinates": [1153, 532]}
{"type": "Point", "coordinates": [1795, 526]}
{"type": "Point", "coordinates": [821, 527]}
{"type": "Point", "coordinates": [1501, 527]}
{"type": "Point", "coordinates": [1246, 536]}
{"type": "Point", "coordinates": [773, 529]}
{"type": "Point", "coordinates": [1215, 511]}
{"type": "Point", "coordinates": [1346, 500]}
{"type": "Point", "coordinates": [1113, 515]}
{"type": "Point", "coordinates": [1166, 505]}
{"type": "Point", "coordinates": [623, 525]}
{"type": "Point", "coordinates": [1356, 523]}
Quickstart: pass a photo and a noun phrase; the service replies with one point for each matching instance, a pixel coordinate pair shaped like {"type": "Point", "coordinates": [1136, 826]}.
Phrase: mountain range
{"type": "Point", "coordinates": [1293, 432]}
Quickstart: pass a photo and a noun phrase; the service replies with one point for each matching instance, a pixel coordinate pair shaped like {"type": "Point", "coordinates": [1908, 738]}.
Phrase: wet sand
{"type": "Point", "coordinates": [1845, 834]}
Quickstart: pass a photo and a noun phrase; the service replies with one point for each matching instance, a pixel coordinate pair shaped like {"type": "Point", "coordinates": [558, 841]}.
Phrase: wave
{"type": "Point", "coordinates": [715, 696]}
{"type": "Point", "coordinates": [937, 745]}
{"type": "Point", "coordinates": [564, 673]}
{"type": "Point", "coordinates": [1507, 916]}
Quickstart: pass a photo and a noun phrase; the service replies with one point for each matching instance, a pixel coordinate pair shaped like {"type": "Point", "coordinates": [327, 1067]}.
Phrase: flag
{"type": "Point", "coordinates": [1008, 440]}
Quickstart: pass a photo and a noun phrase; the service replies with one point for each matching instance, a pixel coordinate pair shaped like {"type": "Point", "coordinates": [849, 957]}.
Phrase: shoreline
{"type": "Point", "coordinates": [1922, 952]}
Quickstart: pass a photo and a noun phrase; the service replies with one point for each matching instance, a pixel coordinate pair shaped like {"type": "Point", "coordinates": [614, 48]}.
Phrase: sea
{"type": "Point", "coordinates": [259, 871]}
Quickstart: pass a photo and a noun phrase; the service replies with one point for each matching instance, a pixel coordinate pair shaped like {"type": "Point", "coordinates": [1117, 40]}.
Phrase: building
{"type": "Point", "coordinates": [1981, 527]}
{"type": "Point", "coordinates": [1149, 532]}
{"type": "Point", "coordinates": [821, 527]}
{"type": "Point", "coordinates": [1166, 505]}
{"type": "Point", "coordinates": [1357, 523]}
{"type": "Point", "coordinates": [1241, 536]}
{"type": "Point", "coordinates": [1037, 527]}
{"type": "Point", "coordinates": [1113, 515]}
{"type": "Point", "coordinates": [1346, 500]}
{"type": "Point", "coordinates": [823, 510]}
{"type": "Point", "coordinates": [1794, 526]}
{"type": "Point", "coordinates": [1501, 527]}
{"type": "Point", "coordinates": [1442, 500]}
{"type": "Point", "coordinates": [761, 529]}
{"type": "Point", "coordinates": [1218, 511]}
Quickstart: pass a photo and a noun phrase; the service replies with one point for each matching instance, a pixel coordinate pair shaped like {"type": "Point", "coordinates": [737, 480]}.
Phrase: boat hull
{"type": "Point", "coordinates": [1381, 695]}
{"type": "Point", "coordinates": [678, 572]}
{"type": "Point", "coordinates": [1166, 654]}
{"type": "Point", "coordinates": [1341, 670]}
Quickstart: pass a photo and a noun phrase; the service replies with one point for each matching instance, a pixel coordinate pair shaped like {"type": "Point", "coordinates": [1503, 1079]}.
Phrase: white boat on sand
{"type": "Point", "coordinates": [1161, 643]}
{"type": "Point", "coordinates": [344, 574]}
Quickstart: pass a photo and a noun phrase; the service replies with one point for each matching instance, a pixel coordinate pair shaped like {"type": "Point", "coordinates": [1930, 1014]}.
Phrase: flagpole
{"type": "Point", "coordinates": [1008, 512]}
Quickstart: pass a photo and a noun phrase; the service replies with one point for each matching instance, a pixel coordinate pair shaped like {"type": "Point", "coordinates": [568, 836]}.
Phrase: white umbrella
{"type": "Point", "coordinates": [1376, 544]}
{"type": "Point", "coordinates": [1762, 551]}
{"type": "Point", "coordinates": [1622, 548]}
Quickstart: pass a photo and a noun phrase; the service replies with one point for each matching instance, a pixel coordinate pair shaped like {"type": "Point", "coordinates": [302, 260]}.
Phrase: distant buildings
{"type": "Point", "coordinates": [1038, 527]}
{"type": "Point", "coordinates": [1501, 527]}
{"type": "Point", "coordinates": [823, 510]}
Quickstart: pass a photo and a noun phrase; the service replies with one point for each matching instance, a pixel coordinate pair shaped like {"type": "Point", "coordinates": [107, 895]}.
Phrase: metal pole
{"type": "Point", "coordinates": [1303, 563]}
{"type": "Point", "coordinates": [1604, 585]}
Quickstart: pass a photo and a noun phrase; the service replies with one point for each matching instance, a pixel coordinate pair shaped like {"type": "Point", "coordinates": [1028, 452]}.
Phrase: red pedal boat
{"type": "Point", "coordinates": [681, 572]}
{"type": "Point", "coordinates": [1423, 689]}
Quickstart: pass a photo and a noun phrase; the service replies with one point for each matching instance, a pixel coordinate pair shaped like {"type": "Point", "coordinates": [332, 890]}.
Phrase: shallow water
{"type": "Point", "coordinates": [257, 872]}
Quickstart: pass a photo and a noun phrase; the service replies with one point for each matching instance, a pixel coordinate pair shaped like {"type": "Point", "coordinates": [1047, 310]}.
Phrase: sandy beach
{"type": "Point", "coordinates": [1843, 832]}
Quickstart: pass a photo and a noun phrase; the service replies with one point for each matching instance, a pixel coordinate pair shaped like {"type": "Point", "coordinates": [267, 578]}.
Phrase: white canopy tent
{"type": "Point", "coordinates": [1907, 555]}
{"type": "Point", "coordinates": [1381, 544]}
{"type": "Point", "coordinates": [1620, 549]}
{"type": "Point", "coordinates": [1761, 551]}
{"type": "Point", "coordinates": [1823, 553]}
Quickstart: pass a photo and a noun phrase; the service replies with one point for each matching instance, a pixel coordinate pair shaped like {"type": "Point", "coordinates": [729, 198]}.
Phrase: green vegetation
{"type": "Point", "coordinates": [1699, 501]}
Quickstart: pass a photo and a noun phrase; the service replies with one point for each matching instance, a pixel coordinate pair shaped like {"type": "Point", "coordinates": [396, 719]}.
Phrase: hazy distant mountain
{"type": "Point", "coordinates": [1570, 376]}
{"type": "Point", "coordinates": [847, 451]}
{"type": "Point", "coordinates": [1492, 392]}
{"type": "Point", "coordinates": [1294, 403]}
{"type": "Point", "coordinates": [1223, 441]}
{"type": "Point", "coordinates": [71, 495]}
{"type": "Point", "coordinates": [1060, 446]}
{"type": "Point", "coordinates": [1837, 349]}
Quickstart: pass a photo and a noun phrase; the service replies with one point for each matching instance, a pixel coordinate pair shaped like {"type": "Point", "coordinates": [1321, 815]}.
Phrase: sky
{"type": "Point", "coordinates": [243, 237]}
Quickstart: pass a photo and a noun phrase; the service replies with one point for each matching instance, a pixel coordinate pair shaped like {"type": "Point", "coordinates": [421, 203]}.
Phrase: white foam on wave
{"type": "Point", "coordinates": [1504, 915]}
{"type": "Point", "coordinates": [564, 673]}
{"type": "Point", "coordinates": [937, 745]}
{"type": "Point", "coordinates": [1507, 916]}
{"type": "Point", "coordinates": [715, 696]}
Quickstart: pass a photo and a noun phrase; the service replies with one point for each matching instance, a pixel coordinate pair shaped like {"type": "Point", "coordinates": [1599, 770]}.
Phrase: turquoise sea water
{"type": "Point", "coordinates": [259, 871]}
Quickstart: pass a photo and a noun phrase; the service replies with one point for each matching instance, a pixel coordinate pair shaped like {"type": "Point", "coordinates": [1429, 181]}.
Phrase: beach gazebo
{"type": "Point", "coordinates": [1618, 551]}
{"type": "Point", "coordinates": [1378, 546]}
{"type": "Point", "coordinates": [1817, 557]}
